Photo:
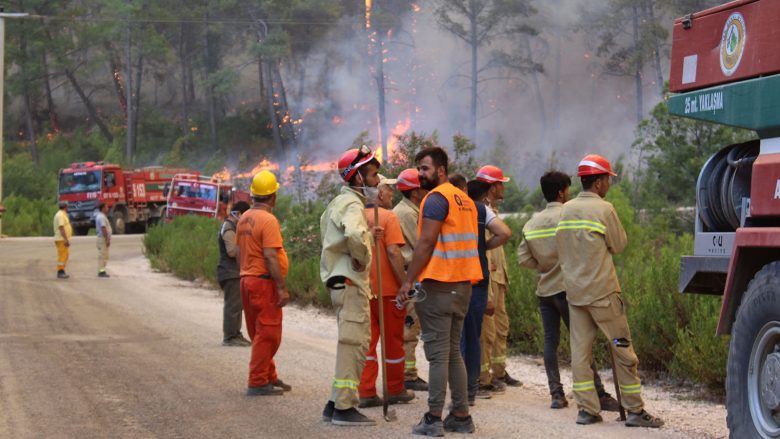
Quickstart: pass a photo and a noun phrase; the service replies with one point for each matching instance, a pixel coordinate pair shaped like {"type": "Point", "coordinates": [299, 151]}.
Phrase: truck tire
{"type": "Point", "coordinates": [753, 372]}
{"type": "Point", "coordinates": [119, 222]}
{"type": "Point", "coordinates": [81, 230]}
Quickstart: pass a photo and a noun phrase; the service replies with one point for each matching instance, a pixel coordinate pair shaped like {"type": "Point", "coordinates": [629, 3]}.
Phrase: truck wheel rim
{"type": "Point", "coordinates": [764, 381]}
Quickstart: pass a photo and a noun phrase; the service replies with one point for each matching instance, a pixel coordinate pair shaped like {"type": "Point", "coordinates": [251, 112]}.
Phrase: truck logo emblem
{"type": "Point", "coordinates": [732, 43]}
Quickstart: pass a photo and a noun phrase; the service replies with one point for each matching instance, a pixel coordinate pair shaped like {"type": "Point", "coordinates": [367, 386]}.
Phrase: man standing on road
{"type": "Point", "coordinates": [495, 327]}
{"type": "Point", "coordinates": [588, 234]}
{"type": "Point", "coordinates": [346, 254]}
{"type": "Point", "coordinates": [264, 265]}
{"type": "Point", "coordinates": [62, 234]}
{"type": "Point", "coordinates": [229, 278]}
{"type": "Point", "coordinates": [446, 261]}
{"type": "Point", "coordinates": [391, 240]}
{"type": "Point", "coordinates": [103, 229]}
{"type": "Point", "coordinates": [408, 212]}
{"type": "Point", "coordinates": [539, 251]}
{"type": "Point", "coordinates": [472, 325]}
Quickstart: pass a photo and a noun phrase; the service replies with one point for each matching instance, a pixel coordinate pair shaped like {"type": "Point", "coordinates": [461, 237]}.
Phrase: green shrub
{"type": "Point", "coordinates": [187, 247]}
{"type": "Point", "coordinates": [26, 217]}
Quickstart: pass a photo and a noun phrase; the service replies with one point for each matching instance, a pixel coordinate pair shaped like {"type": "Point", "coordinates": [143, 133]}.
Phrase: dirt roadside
{"type": "Point", "coordinates": [139, 355]}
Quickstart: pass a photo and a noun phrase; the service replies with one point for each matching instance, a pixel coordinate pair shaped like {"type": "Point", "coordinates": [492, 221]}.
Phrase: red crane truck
{"type": "Point", "coordinates": [725, 68]}
{"type": "Point", "coordinates": [134, 196]}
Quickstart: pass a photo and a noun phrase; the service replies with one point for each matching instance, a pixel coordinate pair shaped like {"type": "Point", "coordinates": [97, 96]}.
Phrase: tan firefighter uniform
{"type": "Point", "coordinates": [588, 234]}
{"type": "Point", "coordinates": [408, 214]}
{"type": "Point", "coordinates": [495, 328]}
{"type": "Point", "coordinates": [345, 236]}
{"type": "Point", "coordinates": [539, 249]}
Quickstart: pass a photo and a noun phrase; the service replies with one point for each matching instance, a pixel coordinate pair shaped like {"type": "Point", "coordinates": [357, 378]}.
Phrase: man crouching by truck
{"type": "Point", "coordinates": [588, 234]}
{"type": "Point", "coordinates": [264, 264]}
{"type": "Point", "coordinates": [346, 253]}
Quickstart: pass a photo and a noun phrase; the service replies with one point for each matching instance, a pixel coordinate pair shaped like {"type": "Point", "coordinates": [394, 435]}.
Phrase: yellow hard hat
{"type": "Point", "coordinates": [264, 184]}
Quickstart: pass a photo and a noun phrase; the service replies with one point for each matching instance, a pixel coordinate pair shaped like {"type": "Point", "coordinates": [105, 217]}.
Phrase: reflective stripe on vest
{"type": "Point", "coordinates": [456, 256]}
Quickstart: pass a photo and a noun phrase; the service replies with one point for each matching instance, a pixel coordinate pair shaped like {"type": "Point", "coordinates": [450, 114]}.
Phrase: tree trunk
{"type": "Point", "coordinates": [30, 127]}
{"type": "Point", "coordinates": [656, 50]}
{"type": "Point", "coordinates": [292, 135]}
{"type": "Point", "coordinates": [116, 78]}
{"type": "Point", "coordinates": [539, 97]}
{"type": "Point", "coordinates": [211, 99]}
{"type": "Point", "coordinates": [557, 92]}
{"type": "Point", "coordinates": [380, 90]}
{"type": "Point", "coordinates": [130, 113]}
{"type": "Point", "coordinates": [53, 119]}
{"type": "Point", "coordinates": [271, 97]}
{"type": "Point", "coordinates": [185, 117]}
{"type": "Point", "coordinates": [90, 107]}
{"type": "Point", "coordinates": [474, 82]}
{"type": "Point", "coordinates": [137, 103]}
{"type": "Point", "coordinates": [638, 68]}
{"type": "Point", "coordinates": [260, 79]}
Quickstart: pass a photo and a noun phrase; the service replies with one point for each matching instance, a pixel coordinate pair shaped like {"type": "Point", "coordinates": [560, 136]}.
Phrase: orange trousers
{"type": "Point", "coordinates": [394, 354]}
{"type": "Point", "coordinates": [264, 326]}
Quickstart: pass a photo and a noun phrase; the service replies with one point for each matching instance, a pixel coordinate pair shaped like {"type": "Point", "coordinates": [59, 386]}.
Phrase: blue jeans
{"type": "Point", "coordinates": [472, 328]}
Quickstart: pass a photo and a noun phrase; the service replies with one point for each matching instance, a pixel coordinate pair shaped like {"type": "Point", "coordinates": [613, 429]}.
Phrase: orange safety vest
{"type": "Point", "coordinates": [456, 257]}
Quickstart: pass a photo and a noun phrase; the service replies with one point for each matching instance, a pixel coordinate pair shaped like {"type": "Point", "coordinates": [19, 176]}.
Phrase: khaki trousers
{"type": "Point", "coordinates": [353, 315]}
{"type": "Point", "coordinates": [411, 335]}
{"type": "Point", "coordinates": [102, 255]}
{"type": "Point", "coordinates": [609, 316]}
{"type": "Point", "coordinates": [62, 254]}
{"type": "Point", "coordinates": [493, 339]}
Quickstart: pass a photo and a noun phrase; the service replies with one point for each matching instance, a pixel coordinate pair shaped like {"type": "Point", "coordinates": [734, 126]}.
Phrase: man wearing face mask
{"type": "Point", "coordinates": [446, 262]}
{"type": "Point", "coordinates": [346, 254]}
{"type": "Point", "coordinates": [229, 278]}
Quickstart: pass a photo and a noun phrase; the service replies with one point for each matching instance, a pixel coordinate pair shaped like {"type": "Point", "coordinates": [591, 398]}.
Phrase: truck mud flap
{"type": "Point", "coordinates": [703, 274]}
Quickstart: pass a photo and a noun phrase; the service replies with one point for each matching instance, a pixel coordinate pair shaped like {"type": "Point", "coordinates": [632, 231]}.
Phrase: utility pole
{"type": "Point", "coordinates": [129, 149]}
{"type": "Point", "coordinates": [3, 16]}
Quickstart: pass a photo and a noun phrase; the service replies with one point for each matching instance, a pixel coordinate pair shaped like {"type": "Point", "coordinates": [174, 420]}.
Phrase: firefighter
{"type": "Point", "coordinates": [539, 251]}
{"type": "Point", "coordinates": [588, 234]}
{"type": "Point", "coordinates": [263, 268]}
{"type": "Point", "coordinates": [229, 278]}
{"type": "Point", "coordinates": [408, 212]}
{"type": "Point", "coordinates": [495, 326]}
{"type": "Point", "coordinates": [391, 240]}
{"type": "Point", "coordinates": [346, 254]}
{"type": "Point", "coordinates": [62, 234]}
{"type": "Point", "coordinates": [446, 261]}
{"type": "Point", "coordinates": [103, 232]}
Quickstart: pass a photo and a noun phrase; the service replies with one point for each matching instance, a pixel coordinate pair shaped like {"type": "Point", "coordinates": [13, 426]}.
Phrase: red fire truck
{"type": "Point", "coordinates": [725, 69]}
{"type": "Point", "coordinates": [135, 197]}
{"type": "Point", "coordinates": [193, 194]}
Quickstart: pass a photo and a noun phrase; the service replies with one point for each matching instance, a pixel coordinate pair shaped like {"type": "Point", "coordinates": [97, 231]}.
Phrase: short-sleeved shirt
{"type": "Point", "coordinates": [393, 235]}
{"type": "Point", "coordinates": [100, 222]}
{"type": "Point", "coordinates": [436, 207]}
{"type": "Point", "coordinates": [259, 229]}
{"type": "Point", "coordinates": [61, 220]}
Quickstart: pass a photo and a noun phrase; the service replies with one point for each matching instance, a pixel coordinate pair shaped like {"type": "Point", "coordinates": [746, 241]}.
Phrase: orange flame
{"type": "Point", "coordinates": [400, 129]}
{"type": "Point", "coordinates": [369, 6]}
{"type": "Point", "coordinates": [223, 175]}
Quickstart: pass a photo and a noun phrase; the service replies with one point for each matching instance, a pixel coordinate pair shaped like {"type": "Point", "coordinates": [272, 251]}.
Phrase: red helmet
{"type": "Point", "coordinates": [350, 161]}
{"type": "Point", "coordinates": [491, 174]}
{"type": "Point", "coordinates": [407, 180]}
{"type": "Point", "coordinates": [594, 164]}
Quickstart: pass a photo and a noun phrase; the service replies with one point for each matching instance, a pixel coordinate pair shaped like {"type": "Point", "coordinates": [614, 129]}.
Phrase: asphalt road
{"type": "Point", "coordinates": [139, 355]}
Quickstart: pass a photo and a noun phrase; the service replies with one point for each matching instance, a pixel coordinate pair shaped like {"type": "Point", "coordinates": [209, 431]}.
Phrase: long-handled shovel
{"type": "Point", "coordinates": [615, 379]}
{"type": "Point", "coordinates": [389, 415]}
